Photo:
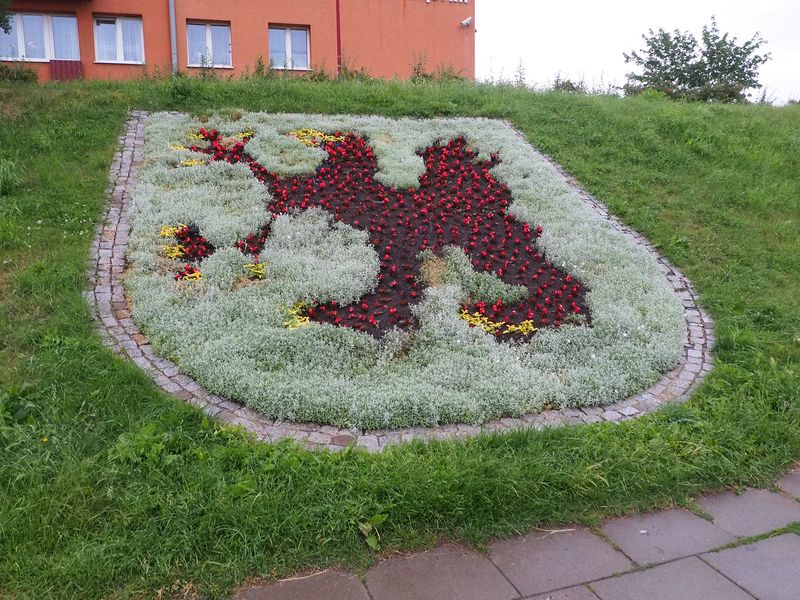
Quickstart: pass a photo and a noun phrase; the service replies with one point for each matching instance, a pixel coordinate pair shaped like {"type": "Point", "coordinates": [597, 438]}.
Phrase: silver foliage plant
{"type": "Point", "coordinates": [230, 333]}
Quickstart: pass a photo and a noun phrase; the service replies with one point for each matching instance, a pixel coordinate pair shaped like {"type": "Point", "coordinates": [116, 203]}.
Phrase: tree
{"type": "Point", "coordinates": [5, 21]}
{"type": "Point", "coordinates": [715, 68]}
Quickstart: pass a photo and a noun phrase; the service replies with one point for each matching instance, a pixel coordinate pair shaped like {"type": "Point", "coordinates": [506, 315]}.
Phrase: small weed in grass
{"type": "Point", "coordinates": [11, 176]}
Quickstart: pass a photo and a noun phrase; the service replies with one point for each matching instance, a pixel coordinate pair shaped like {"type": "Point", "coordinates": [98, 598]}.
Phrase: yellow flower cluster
{"type": "Point", "coordinates": [257, 270]}
{"type": "Point", "coordinates": [296, 320]}
{"type": "Point", "coordinates": [525, 328]}
{"type": "Point", "coordinates": [169, 231]}
{"type": "Point", "coordinates": [476, 319]}
{"type": "Point", "coordinates": [247, 133]}
{"type": "Point", "coordinates": [177, 147]}
{"type": "Point", "coordinates": [312, 137]}
{"type": "Point", "coordinates": [173, 251]}
{"type": "Point", "coordinates": [196, 136]}
{"type": "Point", "coordinates": [193, 162]}
{"type": "Point", "coordinates": [196, 276]}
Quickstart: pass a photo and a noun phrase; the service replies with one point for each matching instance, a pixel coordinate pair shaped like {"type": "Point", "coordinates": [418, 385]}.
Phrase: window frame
{"type": "Point", "coordinates": [120, 48]}
{"type": "Point", "coordinates": [49, 40]}
{"type": "Point", "coordinates": [287, 29]}
{"type": "Point", "coordinates": [209, 47]}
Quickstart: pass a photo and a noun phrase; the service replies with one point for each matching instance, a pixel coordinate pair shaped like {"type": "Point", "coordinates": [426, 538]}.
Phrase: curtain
{"type": "Point", "coordinates": [277, 48]}
{"type": "Point", "coordinates": [132, 50]}
{"type": "Point", "coordinates": [300, 49]}
{"type": "Point", "coordinates": [65, 38]}
{"type": "Point", "coordinates": [197, 43]}
{"type": "Point", "coordinates": [221, 45]}
{"type": "Point", "coordinates": [33, 31]}
{"type": "Point", "coordinates": [8, 42]}
{"type": "Point", "coordinates": [105, 39]}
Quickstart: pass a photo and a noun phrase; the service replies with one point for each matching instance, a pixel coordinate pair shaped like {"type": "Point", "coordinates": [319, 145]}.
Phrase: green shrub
{"type": "Point", "coordinates": [17, 73]}
{"type": "Point", "coordinates": [179, 88]}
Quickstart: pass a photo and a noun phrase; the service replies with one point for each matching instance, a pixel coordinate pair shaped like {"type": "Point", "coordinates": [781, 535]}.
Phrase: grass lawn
{"type": "Point", "coordinates": [112, 489]}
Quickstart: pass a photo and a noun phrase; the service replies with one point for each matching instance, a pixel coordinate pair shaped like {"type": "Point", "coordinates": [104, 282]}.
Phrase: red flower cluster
{"type": "Point", "coordinates": [195, 246]}
{"type": "Point", "coordinates": [254, 243]}
{"type": "Point", "coordinates": [188, 272]}
{"type": "Point", "coordinates": [458, 202]}
{"type": "Point", "coordinates": [228, 149]}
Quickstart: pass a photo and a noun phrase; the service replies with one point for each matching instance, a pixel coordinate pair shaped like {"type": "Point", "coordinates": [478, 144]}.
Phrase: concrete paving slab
{"type": "Point", "coordinates": [663, 536]}
{"type": "Point", "coordinates": [769, 569]}
{"type": "Point", "coordinates": [790, 483]}
{"type": "Point", "coordinates": [445, 573]}
{"type": "Point", "coordinates": [576, 593]}
{"type": "Point", "coordinates": [685, 579]}
{"type": "Point", "coordinates": [324, 586]}
{"type": "Point", "coordinates": [752, 512]}
{"type": "Point", "coordinates": [541, 562]}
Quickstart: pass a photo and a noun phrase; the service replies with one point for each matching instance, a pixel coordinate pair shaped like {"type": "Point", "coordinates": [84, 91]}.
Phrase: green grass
{"type": "Point", "coordinates": [112, 489]}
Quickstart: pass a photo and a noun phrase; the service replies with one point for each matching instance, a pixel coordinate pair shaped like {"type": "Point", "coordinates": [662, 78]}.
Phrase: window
{"type": "Point", "coordinates": [209, 45]}
{"type": "Point", "coordinates": [37, 37]}
{"type": "Point", "coordinates": [288, 48]}
{"type": "Point", "coordinates": [9, 42]}
{"type": "Point", "coordinates": [119, 40]}
{"type": "Point", "coordinates": [65, 38]}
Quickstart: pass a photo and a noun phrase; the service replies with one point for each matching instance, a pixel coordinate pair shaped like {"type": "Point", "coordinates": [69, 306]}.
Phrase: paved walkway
{"type": "Point", "coordinates": [669, 555]}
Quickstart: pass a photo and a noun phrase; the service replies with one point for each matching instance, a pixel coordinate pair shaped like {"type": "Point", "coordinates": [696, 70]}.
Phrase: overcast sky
{"type": "Point", "coordinates": [585, 39]}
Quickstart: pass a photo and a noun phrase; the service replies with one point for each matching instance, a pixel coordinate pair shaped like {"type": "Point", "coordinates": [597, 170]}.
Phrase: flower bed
{"type": "Point", "coordinates": [378, 273]}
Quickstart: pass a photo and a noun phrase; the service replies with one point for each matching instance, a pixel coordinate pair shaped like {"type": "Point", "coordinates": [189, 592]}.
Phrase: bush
{"type": "Point", "coordinates": [179, 88]}
{"type": "Point", "coordinates": [715, 68]}
{"type": "Point", "coordinates": [567, 85]}
{"type": "Point", "coordinates": [17, 73]}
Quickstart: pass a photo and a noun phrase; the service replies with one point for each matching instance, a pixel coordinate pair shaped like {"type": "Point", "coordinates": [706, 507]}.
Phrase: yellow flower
{"type": "Point", "coordinates": [525, 328]}
{"type": "Point", "coordinates": [257, 270]}
{"type": "Point", "coordinates": [173, 251]}
{"type": "Point", "coordinates": [196, 276]}
{"type": "Point", "coordinates": [476, 319]}
{"type": "Point", "coordinates": [246, 133]}
{"type": "Point", "coordinates": [177, 147]}
{"type": "Point", "coordinates": [296, 320]}
{"type": "Point", "coordinates": [312, 137]}
{"type": "Point", "coordinates": [194, 162]}
{"type": "Point", "coordinates": [169, 231]}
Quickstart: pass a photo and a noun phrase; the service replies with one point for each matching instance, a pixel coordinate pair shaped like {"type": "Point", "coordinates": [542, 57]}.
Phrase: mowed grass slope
{"type": "Point", "coordinates": [112, 489]}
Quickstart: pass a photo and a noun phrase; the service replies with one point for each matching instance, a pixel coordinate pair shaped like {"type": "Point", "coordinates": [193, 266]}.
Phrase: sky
{"type": "Point", "coordinates": [585, 39]}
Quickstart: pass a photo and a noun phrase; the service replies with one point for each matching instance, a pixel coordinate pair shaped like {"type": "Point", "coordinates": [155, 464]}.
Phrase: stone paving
{"type": "Point", "coordinates": [117, 329]}
{"type": "Point", "coordinates": [667, 555]}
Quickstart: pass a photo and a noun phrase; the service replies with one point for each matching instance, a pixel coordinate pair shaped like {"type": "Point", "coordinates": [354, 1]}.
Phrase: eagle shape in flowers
{"type": "Point", "coordinates": [458, 203]}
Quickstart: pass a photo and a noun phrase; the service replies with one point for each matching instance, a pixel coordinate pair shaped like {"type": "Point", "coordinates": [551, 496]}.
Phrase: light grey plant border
{"type": "Point", "coordinates": [106, 297]}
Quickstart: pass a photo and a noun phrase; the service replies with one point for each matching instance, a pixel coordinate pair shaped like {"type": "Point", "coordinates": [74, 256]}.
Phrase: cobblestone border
{"type": "Point", "coordinates": [115, 326]}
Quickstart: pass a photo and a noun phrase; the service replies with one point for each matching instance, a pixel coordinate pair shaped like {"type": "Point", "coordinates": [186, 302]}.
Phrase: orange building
{"type": "Point", "coordinates": [118, 39]}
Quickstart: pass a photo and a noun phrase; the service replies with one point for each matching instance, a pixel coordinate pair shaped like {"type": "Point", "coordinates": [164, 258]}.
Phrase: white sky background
{"type": "Point", "coordinates": [585, 39]}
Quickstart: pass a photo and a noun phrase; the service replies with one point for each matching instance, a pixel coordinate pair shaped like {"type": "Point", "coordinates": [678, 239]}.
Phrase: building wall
{"type": "Point", "coordinates": [383, 37]}
{"type": "Point", "coordinates": [387, 37]}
